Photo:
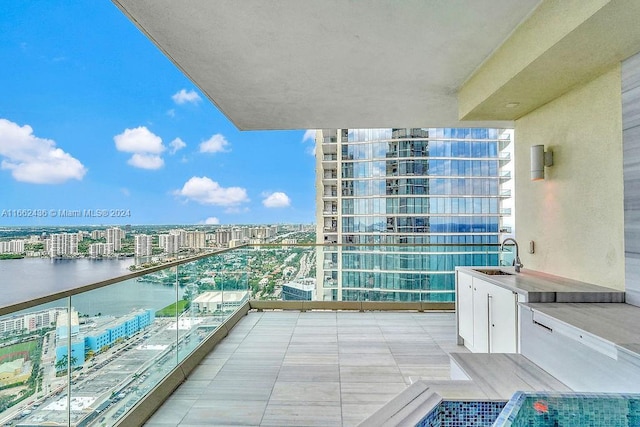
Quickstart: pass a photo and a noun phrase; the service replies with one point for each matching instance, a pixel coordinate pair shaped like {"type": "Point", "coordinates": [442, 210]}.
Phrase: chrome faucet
{"type": "Point", "coordinates": [516, 261]}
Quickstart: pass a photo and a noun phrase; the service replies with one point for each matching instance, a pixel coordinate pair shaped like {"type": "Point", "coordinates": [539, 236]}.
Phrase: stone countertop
{"type": "Point", "coordinates": [542, 287]}
{"type": "Point", "coordinates": [615, 323]}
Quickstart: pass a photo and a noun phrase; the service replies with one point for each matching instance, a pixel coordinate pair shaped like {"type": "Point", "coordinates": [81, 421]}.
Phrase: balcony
{"type": "Point", "coordinates": [296, 368]}
{"type": "Point", "coordinates": [134, 339]}
{"type": "Point", "coordinates": [505, 175]}
{"type": "Point", "coordinates": [330, 176]}
{"type": "Point", "coordinates": [504, 157]}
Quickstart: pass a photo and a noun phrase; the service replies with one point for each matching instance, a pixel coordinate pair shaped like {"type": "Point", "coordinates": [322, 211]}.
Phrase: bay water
{"type": "Point", "coordinates": [30, 278]}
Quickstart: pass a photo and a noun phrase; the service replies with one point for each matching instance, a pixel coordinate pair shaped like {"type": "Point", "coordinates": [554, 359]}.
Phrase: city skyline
{"type": "Point", "coordinates": [116, 132]}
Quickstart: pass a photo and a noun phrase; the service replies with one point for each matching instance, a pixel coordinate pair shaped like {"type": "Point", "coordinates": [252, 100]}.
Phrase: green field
{"type": "Point", "coordinates": [170, 310]}
{"type": "Point", "coordinates": [15, 348]}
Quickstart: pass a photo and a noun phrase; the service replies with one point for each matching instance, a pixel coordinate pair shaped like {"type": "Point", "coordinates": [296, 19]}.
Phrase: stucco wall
{"type": "Point", "coordinates": [575, 216]}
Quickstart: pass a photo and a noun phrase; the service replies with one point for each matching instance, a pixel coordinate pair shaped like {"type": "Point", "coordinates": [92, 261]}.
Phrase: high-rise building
{"type": "Point", "coordinates": [62, 244]}
{"type": "Point", "coordinates": [115, 235]}
{"type": "Point", "coordinates": [15, 246]}
{"type": "Point", "coordinates": [182, 236]}
{"type": "Point", "coordinates": [407, 191]}
{"type": "Point", "coordinates": [196, 240]}
{"type": "Point", "coordinates": [97, 234]}
{"type": "Point", "coordinates": [170, 243]}
{"type": "Point", "coordinates": [100, 249]}
{"type": "Point", "coordinates": [142, 245]}
{"type": "Point", "coordinates": [223, 236]}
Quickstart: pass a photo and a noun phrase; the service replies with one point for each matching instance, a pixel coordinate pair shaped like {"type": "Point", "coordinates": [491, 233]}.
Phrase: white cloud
{"type": "Point", "coordinates": [171, 113]}
{"type": "Point", "coordinates": [177, 145]}
{"type": "Point", "coordinates": [146, 161]}
{"type": "Point", "coordinates": [310, 135]}
{"type": "Point", "coordinates": [212, 220]}
{"type": "Point", "coordinates": [35, 160]}
{"type": "Point", "coordinates": [125, 191]}
{"type": "Point", "coordinates": [145, 146]}
{"type": "Point", "coordinates": [139, 140]}
{"type": "Point", "coordinates": [276, 200]}
{"type": "Point", "coordinates": [216, 144]}
{"type": "Point", "coordinates": [184, 96]}
{"type": "Point", "coordinates": [208, 192]}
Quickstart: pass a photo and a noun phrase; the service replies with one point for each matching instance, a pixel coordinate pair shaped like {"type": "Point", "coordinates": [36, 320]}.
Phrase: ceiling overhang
{"type": "Point", "coordinates": [306, 64]}
{"type": "Point", "coordinates": [562, 45]}
{"type": "Point", "coordinates": [301, 64]}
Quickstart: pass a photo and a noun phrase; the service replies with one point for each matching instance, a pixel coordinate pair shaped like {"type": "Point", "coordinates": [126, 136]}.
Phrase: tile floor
{"type": "Point", "coordinates": [311, 369]}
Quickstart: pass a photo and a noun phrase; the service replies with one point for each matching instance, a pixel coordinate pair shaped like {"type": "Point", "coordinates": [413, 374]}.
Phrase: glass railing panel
{"type": "Point", "coordinates": [124, 338]}
{"type": "Point", "coordinates": [404, 272]}
{"type": "Point", "coordinates": [213, 289]}
{"type": "Point", "coordinates": [365, 272]}
{"type": "Point", "coordinates": [141, 263]}
{"type": "Point", "coordinates": [33, 383]}
{"type": "Point", "coordinates": [282, 272]}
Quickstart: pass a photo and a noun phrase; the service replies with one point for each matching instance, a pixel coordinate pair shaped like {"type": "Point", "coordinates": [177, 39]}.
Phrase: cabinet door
{"type": "Point", "coordinates": [480, 316]}
{"type": "Point", "coordinates": [465, 308]}
{"type": "Point", "coordinates": [503, 308]}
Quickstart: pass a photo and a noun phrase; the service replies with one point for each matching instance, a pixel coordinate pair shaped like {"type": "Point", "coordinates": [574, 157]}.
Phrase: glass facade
{"type": "Point", "coordinates": [406, 206]}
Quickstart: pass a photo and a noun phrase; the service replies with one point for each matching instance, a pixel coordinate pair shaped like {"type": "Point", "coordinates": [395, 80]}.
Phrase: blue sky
{"type": "Point", "coordinates": [93, 116]}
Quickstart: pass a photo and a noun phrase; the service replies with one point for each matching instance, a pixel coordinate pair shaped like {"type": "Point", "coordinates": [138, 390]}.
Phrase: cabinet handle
{"type": "Point", "coordinates": [489, 321]}
{"type": "Point", "coordinates": [515, 300]}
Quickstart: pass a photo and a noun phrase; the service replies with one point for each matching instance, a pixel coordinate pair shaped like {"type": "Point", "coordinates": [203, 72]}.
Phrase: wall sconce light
{"type": "Point", "coordinates": [539, 159]}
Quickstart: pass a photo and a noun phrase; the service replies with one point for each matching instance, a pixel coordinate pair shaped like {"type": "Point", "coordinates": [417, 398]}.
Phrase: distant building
{"type": "Point", "coordinates": [62, 244]}
{"type": "Point", "coordinates": [97, 234]}
{"type": "Point", "coordinates": [216, 301]}
{"type": "Point", "coordinates": [170, 243]}
{"type": "Point", "coordinates": [223, 237]}
{"type": "Point", "coordinates": [196, 240]}
{"type": "Point", "coordinates": [97, 250]}
{"type": "Point", "coordinates": [12, 247]}
{"type": "Point", "coordinates": [182, 236]}
{"type": "Point", "coordinates": [263, 233]}
{"type": "Point", "coordinates": [13, 372]}
{"type": "Point", "coordinates": [234, 243]}
{"type": "Point", "coordinates": [120, 328]}
{"type": "Point", "coordinates": [62, 325]}
{"type": "Point", "coordinates": [97, 339]}
{"type": "Point", "coordinates": [115, 235]}
{"type": "Point", "coordinates": [299, 290]}
{"type": "Point", "coordinates": [143, 245]}
{"type": "Point", "coordinates": [30, 321]}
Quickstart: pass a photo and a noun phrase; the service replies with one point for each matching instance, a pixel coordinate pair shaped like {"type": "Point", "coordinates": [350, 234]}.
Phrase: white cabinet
{"type": "Point", "coordinates": [487, 315]}
{"type": "Point", "coordinates": [465, 308]}
{"type": "Point", "coordinates": [480, 316]}
{"type": "Point", "coordinates": [503, 320]}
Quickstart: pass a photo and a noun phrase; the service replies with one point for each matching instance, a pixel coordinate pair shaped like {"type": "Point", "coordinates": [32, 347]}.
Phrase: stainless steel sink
{"type": "Point", "coordinates": [492, 272]}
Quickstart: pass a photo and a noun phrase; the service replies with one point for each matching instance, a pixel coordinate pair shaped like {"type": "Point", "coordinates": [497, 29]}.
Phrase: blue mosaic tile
{"type": "Point", "coordinates": [571, 409]}
{"type": "Point", "coordinates": [463, 414]}
{"type": "Point", "coordinates": [432, 419]}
